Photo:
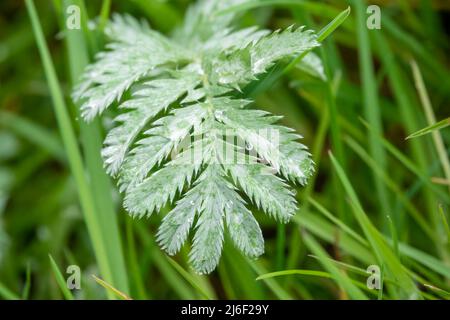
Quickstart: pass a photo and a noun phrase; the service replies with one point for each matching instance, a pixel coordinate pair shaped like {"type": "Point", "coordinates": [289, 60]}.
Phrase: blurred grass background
{"type": "Point", "coordinates": [376, 198]}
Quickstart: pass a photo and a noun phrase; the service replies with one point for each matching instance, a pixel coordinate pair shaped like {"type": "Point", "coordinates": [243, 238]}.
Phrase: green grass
{"type": "Point", "coordinates": [370, 99]}
{"type": "Point", "coordinates": [431, 119]}
{"type": "Point", "coordinates": [429, 129]}
{"type": "Point", "coordinates": [91, 139]}
{"type": "Point", "coordinates": [376, 129]}
{"type": "Point", "coordinates": [60, 279]}
{"type": "Point", "coordinates": [95, 223]}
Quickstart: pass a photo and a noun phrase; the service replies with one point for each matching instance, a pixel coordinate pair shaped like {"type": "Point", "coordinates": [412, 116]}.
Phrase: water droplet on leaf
{"type": "Point", "coordinates": [218, 114]}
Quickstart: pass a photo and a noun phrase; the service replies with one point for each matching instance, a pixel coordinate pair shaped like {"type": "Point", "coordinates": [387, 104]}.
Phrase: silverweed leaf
{"type": "Point", "coordinates": [181, 110]}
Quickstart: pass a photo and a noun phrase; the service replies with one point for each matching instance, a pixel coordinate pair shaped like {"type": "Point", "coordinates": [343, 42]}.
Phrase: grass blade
{"type": "Point", "coordinates": [445, 223]}
{"type": "Point", "coordinates": [336, 221]}
{"type": "Point", "coordinates": [431, 128]}
{"type": "Point", "coordinates": [426, 104]}
{"type": "Point", "coordinates": [384, 254]}
{"type": "Point", "coordinates": [110, 288]}
{"type": "Point", "coordinates": [271, 283]}
{"type": "Point", "coordinates": [173, 278]}
{"type": "Point", "coordinates": [313, 273]}
{"type": "Point", "coordinates": [7, 294]}
{"type": "Point", "coordinates": [60, 279]}
{"type": "Point", "coordinates": [189, 278]}
{"type": "Point", "coordinates": [341, 279]}
{"type": "Point", "coordinates": [34, 133]}
{"type": "Point", "coordinates": [27, 286]}
{"type": "Point", "coordinates": [70, 143]}
{"type": "Point", "coordinates": [324, 33]}
{"type": "Point", "coordinates": [408, 114]}
{"type": "Point", "coordinates": [415, 214]}
{"type": "Point", "coordinates": [91, 139]}
{"type": "Point", "coordinates": [371, 100]}
{"type": "Point", "coordinates": [333, 25]}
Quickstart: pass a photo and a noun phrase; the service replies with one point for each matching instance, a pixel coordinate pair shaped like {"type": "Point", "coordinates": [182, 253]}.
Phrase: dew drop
{"type": "Point", "coordinates": [192, 202]}
{"type": "Point", "coordinates": [248, 146]}
{"type": "Point", "coordinates": [218, 114]}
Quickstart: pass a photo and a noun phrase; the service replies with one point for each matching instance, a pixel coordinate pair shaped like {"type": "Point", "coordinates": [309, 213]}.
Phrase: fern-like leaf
{"type": "Point", "coordinates": [135, 51]}
{"type": "Point", "coordinates": [174, 132]}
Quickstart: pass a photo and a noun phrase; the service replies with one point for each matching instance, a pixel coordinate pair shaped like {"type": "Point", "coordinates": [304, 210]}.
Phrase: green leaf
{"type": "Point", "coordinates": [60, 279]}
{"type": "Point", "coordinates": [169, 139]}
{"type": "Point", "coordinates": [436, 126]}
{"type": "Point", "coordinates": [7, 294]}
{"type": "Point", "coordinates": [111, 289]}
{"type": "Point", "coordinates": [136, 51]}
